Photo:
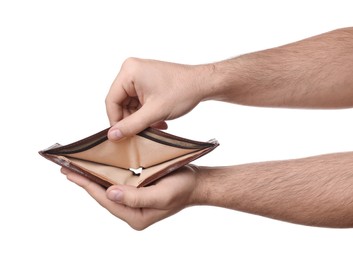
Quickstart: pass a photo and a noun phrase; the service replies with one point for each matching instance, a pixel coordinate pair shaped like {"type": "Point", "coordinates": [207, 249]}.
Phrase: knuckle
{"type": "Point", "coordinates": [127, 70]}
{"type": "Point", "coordinates": [106, 100]}
{"type": "Point", "coordinates": [136, 220]}
{"type": "Point", "coordinates": [109, 101]}
{"type": "Point", "coordinates": [140, 222]}
{"type": "Point", "coordinates": [130, 63]}
{"type": "Point", "coordinates": [138, 226]}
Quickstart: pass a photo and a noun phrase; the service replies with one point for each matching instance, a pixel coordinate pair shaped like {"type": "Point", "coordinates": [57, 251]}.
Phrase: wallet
{"type": "Point", "coordinates": [138, 160]}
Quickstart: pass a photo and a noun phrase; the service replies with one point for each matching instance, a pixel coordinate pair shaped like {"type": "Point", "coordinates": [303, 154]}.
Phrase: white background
{"type": "Point", "coordinates": [57, 61]}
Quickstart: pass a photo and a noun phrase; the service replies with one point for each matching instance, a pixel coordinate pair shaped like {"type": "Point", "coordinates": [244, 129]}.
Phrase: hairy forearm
{"type": "Point", "coordinates": [315, 191]}
{"type": "Point", "coordinates": [313, 73]}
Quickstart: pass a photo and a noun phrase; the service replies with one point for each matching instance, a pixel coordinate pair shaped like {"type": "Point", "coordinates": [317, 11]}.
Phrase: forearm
{"type": "Point", "coordinates": [314, 191]}
{"type": "Point", "coordinates": [313, 73]}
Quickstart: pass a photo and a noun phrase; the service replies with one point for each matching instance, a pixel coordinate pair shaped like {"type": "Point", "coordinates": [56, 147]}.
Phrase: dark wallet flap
{"type": "Point", "coordinates": [137, 160]}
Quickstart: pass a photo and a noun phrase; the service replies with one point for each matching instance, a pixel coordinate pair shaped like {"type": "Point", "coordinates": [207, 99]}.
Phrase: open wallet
{"type": "Point", "coordinates": [138, 160]}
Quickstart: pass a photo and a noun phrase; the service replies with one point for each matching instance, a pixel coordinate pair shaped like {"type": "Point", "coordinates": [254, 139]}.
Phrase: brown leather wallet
{"type": "Point", "coordinates": [138, 160]}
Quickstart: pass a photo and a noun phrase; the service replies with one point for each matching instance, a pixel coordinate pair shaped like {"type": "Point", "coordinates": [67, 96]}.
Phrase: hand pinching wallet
{"type": "Point", "coordinates": [138, 160]}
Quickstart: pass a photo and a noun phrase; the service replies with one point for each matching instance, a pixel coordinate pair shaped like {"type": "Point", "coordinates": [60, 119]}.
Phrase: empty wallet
{"type": "Point", "coordinates": [138, 160]}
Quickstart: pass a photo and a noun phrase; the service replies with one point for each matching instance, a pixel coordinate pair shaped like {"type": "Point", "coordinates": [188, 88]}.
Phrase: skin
{"type": "Point", "coordinates": [311, 73]}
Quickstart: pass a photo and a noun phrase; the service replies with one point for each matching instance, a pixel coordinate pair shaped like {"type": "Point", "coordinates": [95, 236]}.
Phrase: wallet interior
{"type": "Point", "coordinates": [137, 160]}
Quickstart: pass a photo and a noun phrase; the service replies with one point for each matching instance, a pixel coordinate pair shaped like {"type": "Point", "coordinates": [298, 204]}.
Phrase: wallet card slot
{"type": "Point", "coordinates": [171, 140]}
{"type": "Point", "coordinates": [113, 175]}
{"type": "Point", "coordinates": [81, 145]}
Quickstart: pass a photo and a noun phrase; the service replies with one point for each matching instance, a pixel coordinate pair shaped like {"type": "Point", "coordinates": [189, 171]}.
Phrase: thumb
{"type": "Point", "coordinates": [133, 197]}
{"type": "Point", "coordinates": [136, 122]}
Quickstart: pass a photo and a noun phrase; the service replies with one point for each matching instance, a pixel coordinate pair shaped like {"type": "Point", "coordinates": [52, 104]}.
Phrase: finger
{"type": "Point", "coordinates": [65, 170]}
{"type": "Point", "coordinates": [93, 189]}
{"type": "Point", "coordinates": [115, 99]}
{"type": "Point", "coordinates": [114, 108]}
{"type": "Point", "coordinates": [83, 182]}
{"type": "Point", "coordinates": [144, 197]}
{"type": "Point", "coordinates": [140, 218]}
{"type": "Point", "coordinates": [137, 218]}
{"type": "Point", "coordinates": [146, 116]}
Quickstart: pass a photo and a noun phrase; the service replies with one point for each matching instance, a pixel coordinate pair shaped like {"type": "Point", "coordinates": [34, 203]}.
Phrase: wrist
{"type": "Point", "coordinates": [201, 194]}
{"type": "Point", "coordinates": [203, 81]}
{"type": "Point", "coordinates": [215, 186]}
{"type": "Point", "coordinates": [221, 80]}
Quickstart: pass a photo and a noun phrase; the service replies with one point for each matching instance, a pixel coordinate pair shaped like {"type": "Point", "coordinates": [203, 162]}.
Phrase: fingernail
{"type": "Point", "coordinates": [115, 134]}
{"type": "Point", "coordinates": [115, 195]}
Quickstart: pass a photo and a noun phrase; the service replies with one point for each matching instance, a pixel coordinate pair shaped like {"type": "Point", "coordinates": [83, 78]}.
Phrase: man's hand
{"type": "Point", "coordinates": [147, 92]}
{"type": "Point", "coordinates": [311, 73]}
{"type": "Point", "coordinates": [141, 207]}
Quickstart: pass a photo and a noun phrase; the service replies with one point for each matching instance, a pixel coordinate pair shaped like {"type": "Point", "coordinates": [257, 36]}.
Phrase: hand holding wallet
{"type": "Point", "coordinates": [138, 160]}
